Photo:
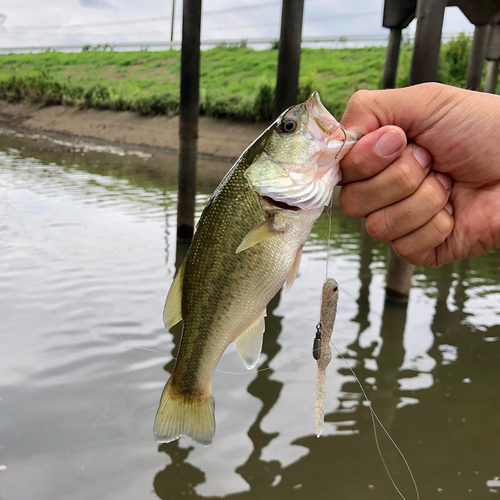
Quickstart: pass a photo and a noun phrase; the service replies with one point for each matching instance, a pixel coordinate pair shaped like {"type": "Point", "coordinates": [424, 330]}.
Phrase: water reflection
{"type": "Point", "coordinates": [82, 354]}
{"type": "Point", "coordinates": [179, 478]}
{"type": "Point", "coordinates": [365, 278]}
{"type": "Point", "coordinates": [258, 474]}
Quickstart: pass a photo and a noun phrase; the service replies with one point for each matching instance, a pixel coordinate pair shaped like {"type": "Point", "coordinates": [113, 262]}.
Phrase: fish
{"type": "Point", "coordinates": [322, 351]}
{"type": "Point", "coordinates": [247, 244]}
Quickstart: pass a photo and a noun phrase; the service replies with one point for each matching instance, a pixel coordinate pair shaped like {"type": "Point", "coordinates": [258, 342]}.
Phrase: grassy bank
{"type": "Point", "coordinates": [236, 82]}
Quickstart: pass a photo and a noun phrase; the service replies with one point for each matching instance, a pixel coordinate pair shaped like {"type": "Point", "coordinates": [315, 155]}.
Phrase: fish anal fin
{"type": "Point", "coordinates": [249, 343]}
{"type": "Point", "coordinates": [184, 415]}
{"type": "Point", "coordinates": [172, 313]}
{"type": "Point", "coordinates": [294, 269]}
{"type": "Point", "coordinates": [258, 234]}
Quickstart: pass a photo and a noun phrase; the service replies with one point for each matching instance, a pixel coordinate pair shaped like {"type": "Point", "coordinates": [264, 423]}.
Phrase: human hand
{"type": "Point", "coordinates": [438, 198]}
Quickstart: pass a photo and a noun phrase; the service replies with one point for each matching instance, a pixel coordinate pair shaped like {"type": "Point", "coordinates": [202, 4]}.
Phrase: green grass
{"type": "Point", "coordinates": [236, 82]}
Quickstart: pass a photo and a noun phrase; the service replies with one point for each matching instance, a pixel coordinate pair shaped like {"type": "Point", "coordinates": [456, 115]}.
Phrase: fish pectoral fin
{"type": "Point", "coordinates": [249, 343]}
{"type": "Point", "coordinates": [258, 234]}
{"type": "Point", "coordinates": [172, 313]}
{"type": "Point", "coordinates": [292, 273]}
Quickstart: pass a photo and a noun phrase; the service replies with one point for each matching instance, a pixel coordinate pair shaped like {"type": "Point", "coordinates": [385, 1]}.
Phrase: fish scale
{"type": "Point", "coordinates": [268, 262]}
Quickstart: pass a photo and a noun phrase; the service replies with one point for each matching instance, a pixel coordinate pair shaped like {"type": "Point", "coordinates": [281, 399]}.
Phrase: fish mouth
{"type": "Point", "coordinates": [325, 128]}
{"type": "Point", "coordinates": [322, 123]}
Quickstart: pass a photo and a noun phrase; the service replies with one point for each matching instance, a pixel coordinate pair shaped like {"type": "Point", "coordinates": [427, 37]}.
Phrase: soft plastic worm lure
{"type": "Point", "coordinates": [322, 351]}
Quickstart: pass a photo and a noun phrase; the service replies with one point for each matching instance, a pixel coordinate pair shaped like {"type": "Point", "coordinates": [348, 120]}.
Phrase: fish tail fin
{"type": "Point", "coordinates": [184, 415]}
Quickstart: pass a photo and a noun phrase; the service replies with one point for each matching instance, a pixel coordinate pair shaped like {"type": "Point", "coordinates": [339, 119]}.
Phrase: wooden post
{"type": "Point", "coordinates": [424, 68]}
{"type": "Point", "coordinates": [493, 56]}
{"type": "Point", "coordinates": [476, 57]}
{"type": "Point", "coordinates": [365, 278]}
{"type": "Point", "coordinates": [391, 59]}
{"type": "Point", "coordinates": [398, 14]}
{"type": "Point", "coordinates": [425, 62]}
{"type": "Point", "coordinates": [188, 117]}
{"type": "Point", "coordinates": [172, 22]}
{"type": "Point", "coordinates": [490, 84]}
{"type": "Point", "coordinates": [389, 361]}
{"type": "Point", "coordinates": [398, 278]}
{"type": "Point", "coordinates": [287, 82]}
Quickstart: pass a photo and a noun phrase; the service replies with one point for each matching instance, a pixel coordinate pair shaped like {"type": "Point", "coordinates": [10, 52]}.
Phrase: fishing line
{"type": "Point", "coordinates": [267, 368]}
{"type": "Point", "coordinates": [373, 415]}
{"type": "Point", "coordinates": [250, 372]}
{"type": "Point", "coordinates": [58, 290]}
{"type": "Point", "coordinates": [375, 418]}
{"type": "Point", "coordinates": [171, 358]}
{"type": "Point", "coordinates": [26, 231]}
{"type": "Point", "coordinates": [329, 211]}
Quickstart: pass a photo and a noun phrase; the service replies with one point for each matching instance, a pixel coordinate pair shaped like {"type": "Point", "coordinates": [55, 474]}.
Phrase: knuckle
{"type": "Point", "coordinates": [406, 248]}
{"type": "Point", "coordinates": [434, 86]}
{"type": "Point", "coordinates": [361, 166]}
{"type": "Point", "coordinates": [401, 248]}
{"type": "Point", "coordinates": [406, 179]}
{"type": "Point", "coordinates": [431, 261]}
{"type": "Point", "coordinates": [377, 226]}
{"type": "Point", "coordinates": [434, 194]}
{"type": "Point", "coordinates": [443, 223]}
{"type": "Point", "coordinates": [357, 161]}
{"type": "Point", "coordinates": [347, 202]}
{"type": "Point", "coordinates": [360, 98]}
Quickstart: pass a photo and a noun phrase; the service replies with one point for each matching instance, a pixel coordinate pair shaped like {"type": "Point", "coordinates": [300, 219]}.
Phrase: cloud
{"type": "Point", "coordinates": [96, 4]}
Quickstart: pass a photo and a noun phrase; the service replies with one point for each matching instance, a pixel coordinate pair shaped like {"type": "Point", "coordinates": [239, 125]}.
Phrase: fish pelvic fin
{"type": "Point", "coordinates": [184, 415]}
{"type": "Point", "coordinates": [249, 343]}
{"type": "Point", "coordinates": [172, 313]}
{"type": "Point", "coordinates": [292, 273]}
{"type": "Point", "coordinates": [258, 234]}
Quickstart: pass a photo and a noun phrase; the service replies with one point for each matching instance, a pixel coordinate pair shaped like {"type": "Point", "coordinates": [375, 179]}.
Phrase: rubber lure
{"type": "Point", "coordinates": [322, 351]}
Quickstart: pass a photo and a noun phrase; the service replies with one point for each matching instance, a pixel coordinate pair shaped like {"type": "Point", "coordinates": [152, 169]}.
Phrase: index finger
{"type": "Point", "coordinates": [372, 153]}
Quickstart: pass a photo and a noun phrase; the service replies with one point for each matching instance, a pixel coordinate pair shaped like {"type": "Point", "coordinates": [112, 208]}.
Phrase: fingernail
{"type": "Point", "coordinates": [449, 208]}
{"type": "Point", "coordinates": [444, 179]}
{"type": "Point", "coordinates": [422, 155]}
{"type": "Point", "coordinates": [389, 143]}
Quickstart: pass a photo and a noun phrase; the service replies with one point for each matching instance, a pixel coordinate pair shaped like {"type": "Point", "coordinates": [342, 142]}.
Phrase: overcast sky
{"type": "Point", "coordinates": [61, 22]}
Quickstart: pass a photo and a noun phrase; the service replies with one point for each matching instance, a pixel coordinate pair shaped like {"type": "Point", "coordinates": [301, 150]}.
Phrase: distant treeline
{"type": "Point", "coordinates": [236, 82]}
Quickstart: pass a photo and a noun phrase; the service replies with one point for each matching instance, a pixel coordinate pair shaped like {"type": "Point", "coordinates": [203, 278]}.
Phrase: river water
{"type": "Point", "coordinates": [87, 254]}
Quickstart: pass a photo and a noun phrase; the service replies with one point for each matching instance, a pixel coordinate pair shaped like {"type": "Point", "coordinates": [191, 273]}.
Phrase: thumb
{"type": "Point", "coordinates": [415, 109]}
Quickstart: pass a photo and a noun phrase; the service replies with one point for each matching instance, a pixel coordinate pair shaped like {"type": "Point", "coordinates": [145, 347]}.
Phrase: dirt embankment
{"type": "Point", "coordinates": [221, 139]}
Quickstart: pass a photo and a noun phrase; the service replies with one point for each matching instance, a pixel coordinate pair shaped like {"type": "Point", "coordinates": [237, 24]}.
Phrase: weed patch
{"type": "Point", "coordinates": [236, 81]}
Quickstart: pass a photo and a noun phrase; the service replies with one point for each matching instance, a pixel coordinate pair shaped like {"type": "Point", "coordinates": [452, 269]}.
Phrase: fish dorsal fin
{"type": "Point", "coordinates": [258, 234]}
{"type": "Point", "coordinates": [249, 343]}
{"type": "Point", "coordinates": [172, 313]}
{"type": "Point", "coordinates": [292, 273]}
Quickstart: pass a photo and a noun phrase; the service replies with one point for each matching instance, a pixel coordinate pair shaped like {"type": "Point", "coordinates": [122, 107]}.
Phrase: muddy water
{"type": "Point", "coordinates": [87, 253]}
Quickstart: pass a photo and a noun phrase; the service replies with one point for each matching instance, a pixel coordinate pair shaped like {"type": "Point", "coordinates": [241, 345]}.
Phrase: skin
{"type": "Point", "coordinates": [437, 198]}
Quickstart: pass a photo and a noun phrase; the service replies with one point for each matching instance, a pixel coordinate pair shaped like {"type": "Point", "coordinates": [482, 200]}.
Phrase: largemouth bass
{"type": "Point", "coordinates": [248, 243]}
{"type": "Point", "coordinates": [323, 351]}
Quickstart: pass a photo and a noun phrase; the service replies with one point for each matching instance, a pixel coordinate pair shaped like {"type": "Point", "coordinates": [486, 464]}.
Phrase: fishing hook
{"type": "Point", "coordinates": [345, 139]}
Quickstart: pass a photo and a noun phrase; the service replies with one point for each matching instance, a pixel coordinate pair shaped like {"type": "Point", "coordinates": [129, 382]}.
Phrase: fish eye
{"type": "Point", "coordinates": [334, 289]}
{"type": "Point", "coordinates": [289, 125]}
